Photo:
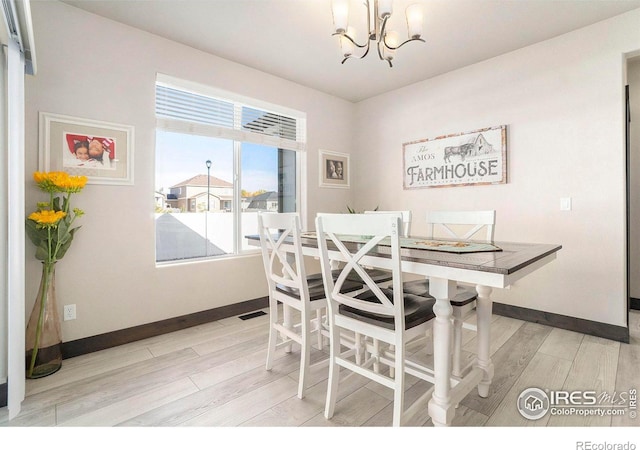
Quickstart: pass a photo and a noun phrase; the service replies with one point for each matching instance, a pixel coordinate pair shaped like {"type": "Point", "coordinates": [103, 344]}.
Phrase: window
{"type": "Point", "coordinates": [220, 159]}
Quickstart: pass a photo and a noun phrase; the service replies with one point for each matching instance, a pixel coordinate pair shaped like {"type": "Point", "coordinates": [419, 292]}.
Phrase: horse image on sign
{"type": "Point", "coordinates": [477, 157]}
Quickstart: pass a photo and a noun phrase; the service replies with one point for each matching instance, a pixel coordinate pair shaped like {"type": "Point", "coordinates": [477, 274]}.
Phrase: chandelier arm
{"type": "Point", "coordinates": [383, 29]}
{"type": "Point", "coordinates": [367, 50]}
{"type": "Point", "coordinates": [366, 2]}
{"type": "Point", "coordinates": [351, 39]}
{"type": "Point", "coordinates": [382, 38]}
{"type": "Point", "coordinates": [380, 51]}
{"type": "Point", "coordinates": [396, 48]}
{"type": "Point", "coordinates": [380, 54]}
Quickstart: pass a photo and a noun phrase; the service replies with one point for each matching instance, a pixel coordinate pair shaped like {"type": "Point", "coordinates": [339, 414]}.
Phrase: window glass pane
{"type": "Point", "coordinates": [268, 184]}
{"type": "Point", "coordinates": [287, 180]}
{"type": "Point", "coordinates": [194, 204]}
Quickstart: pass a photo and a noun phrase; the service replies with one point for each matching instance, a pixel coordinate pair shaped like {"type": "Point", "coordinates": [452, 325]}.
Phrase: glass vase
{"type": "Point", "coordinates": [43, 336]}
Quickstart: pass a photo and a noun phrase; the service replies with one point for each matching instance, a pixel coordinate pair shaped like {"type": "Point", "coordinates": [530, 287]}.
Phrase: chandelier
{"type": "Point", "coordinates": [378, 13]}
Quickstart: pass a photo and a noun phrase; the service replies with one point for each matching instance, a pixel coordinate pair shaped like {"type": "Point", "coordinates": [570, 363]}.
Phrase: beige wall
{"type": "Point", "coordinates": [563, 103]}
{"type": "Point", "coordinates": [95, 68]}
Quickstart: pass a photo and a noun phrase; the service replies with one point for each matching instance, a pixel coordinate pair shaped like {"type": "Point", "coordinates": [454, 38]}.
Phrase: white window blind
{"type": "Point", "coordinates": [182, 105]}
{"type": "Point", "coordinates": [263, 122]}
{"type": "Point", "coordinates": [196, 109]}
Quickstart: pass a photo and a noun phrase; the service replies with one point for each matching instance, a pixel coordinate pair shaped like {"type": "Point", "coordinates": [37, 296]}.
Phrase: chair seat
{"type": "Point", "coordinates": [316, 288]}
{"type": "Point", "coordinates": [417, 310]}
{"type": "Point", "coordinates": [377, 275]}
{"type": "Point", "coordinates": [421, 288]}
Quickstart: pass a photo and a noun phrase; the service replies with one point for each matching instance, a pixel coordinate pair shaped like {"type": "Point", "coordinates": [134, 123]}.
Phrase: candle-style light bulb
{"type": "Point", "coordinates": [414, 21]}
{"type": "Point", "coordinates": [340, 10]}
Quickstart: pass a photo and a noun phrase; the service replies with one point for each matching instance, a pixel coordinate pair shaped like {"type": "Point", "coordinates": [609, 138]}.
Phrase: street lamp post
{"type": "Point", "coordinates": [208, 163]}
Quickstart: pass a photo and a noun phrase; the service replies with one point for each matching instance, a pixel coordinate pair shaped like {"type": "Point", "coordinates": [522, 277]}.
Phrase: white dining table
{"type": "Point", "coordinates": [484, 269]}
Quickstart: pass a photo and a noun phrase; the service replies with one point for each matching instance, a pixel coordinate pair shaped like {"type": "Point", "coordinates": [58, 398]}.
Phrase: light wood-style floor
{"type": "Point", "coordinates": [214, 375]}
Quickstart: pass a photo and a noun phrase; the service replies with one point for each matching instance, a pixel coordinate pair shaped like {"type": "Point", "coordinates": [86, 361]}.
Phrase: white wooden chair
{"type": "Point", "coordinates": [290, 285]}
{"type": "Point", "coordinates": [406, 219]}
{"type": "Point", "coordinates": [467, 225]}
{"type": "Point", "coordinates": [458, 225]}
{"type": "Point", "coordinates": [384, 315]}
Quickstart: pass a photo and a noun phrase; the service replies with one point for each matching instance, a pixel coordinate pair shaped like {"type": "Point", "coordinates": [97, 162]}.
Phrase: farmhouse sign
{"type": "Point", "coordinates": [463, 159]}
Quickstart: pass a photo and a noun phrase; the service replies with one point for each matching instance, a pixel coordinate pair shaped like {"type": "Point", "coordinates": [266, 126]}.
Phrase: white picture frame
{"type": "Point", "coordinates": [334, 169]}
{"type": "Point", "coordinates": [102, 151]}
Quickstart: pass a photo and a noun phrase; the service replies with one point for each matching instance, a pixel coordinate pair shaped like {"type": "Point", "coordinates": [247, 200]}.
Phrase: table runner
{"type": "Point", "coordinates": [419, 243]}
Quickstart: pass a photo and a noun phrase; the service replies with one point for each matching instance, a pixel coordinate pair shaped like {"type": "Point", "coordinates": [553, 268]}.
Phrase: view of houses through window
{"type": "Point", "coordinates": [195, 203]}
{"type": "Point", "coordinates": [209, 189]}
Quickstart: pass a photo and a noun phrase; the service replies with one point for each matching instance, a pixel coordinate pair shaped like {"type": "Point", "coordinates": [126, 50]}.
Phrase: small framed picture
{"type": "Point", "coordinates": [334, 169]}
{"type": "Point", "coordinates": [102, 151]}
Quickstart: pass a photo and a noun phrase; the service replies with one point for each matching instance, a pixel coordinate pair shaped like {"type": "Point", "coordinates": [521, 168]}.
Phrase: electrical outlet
{"type": "Point", "coordinates": [69, 312]}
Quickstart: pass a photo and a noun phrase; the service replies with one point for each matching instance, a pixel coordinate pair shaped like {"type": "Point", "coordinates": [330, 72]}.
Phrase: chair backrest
{"type": "Point", "coordinates": [281, 267]}
{"type": "Point", "coordinates": [462, 224]}
{"type": "Point", "coordinates": [331, 229]}
{"type": "Point", "coordinates": [406, 219]}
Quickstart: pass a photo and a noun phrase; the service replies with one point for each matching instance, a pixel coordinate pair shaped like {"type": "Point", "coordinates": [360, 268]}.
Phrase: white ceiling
{"type": "Point", "coordinates": [292, 38]}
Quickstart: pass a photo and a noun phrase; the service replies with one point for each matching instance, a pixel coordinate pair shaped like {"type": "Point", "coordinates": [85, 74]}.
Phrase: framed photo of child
{"type": "Point", "coordinates": [102, 151]}
{"type": "Point", "coordinates": [334, 169]}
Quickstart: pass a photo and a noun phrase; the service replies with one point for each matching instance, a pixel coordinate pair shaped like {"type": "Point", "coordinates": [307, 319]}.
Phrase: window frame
{"type": "Point", "coordinates": [238, 137]}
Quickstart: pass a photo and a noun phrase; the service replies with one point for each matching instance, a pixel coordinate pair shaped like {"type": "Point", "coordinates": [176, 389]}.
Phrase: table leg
{"type": "Point", "coordinates": [483, 310]}
{"type": "Point", "coordinates": [441, 409]}
{"type": "Point", "coordinates": [457, 343]}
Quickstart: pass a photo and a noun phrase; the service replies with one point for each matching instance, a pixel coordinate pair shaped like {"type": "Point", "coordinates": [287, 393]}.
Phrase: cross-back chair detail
{"type": "Point", "coordinates": [352, 264]}
{"type": "Point", "coordinates": [276, 256]}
